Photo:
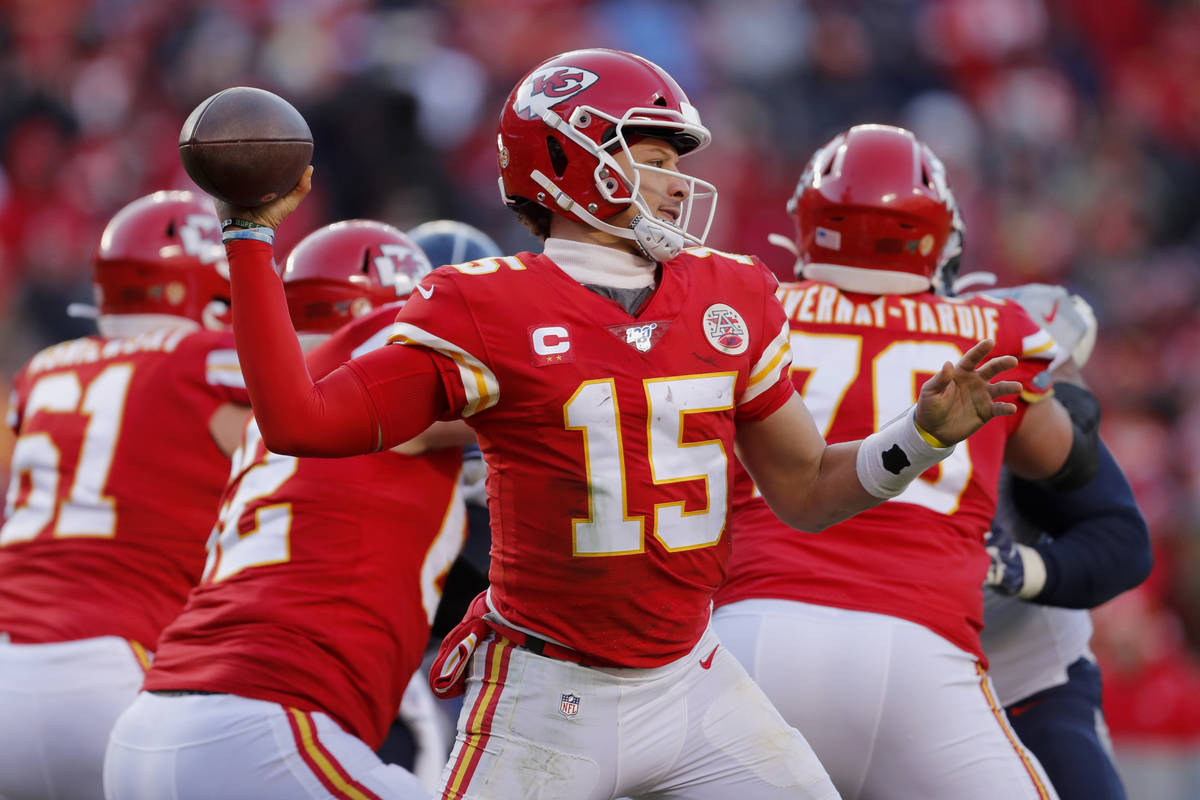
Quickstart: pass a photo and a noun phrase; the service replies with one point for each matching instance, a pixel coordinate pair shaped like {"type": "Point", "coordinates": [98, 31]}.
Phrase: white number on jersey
{"type": "Point", "coordinates": [441, 554]}
{"type": "Point", "coordinates": [835, 361]}
{"type": "Point", "coordinates": [229, 550]}
{"type": "Point", "coordinates": [86, 510]}
{"type": "Point", "coordinates": [609, 529]}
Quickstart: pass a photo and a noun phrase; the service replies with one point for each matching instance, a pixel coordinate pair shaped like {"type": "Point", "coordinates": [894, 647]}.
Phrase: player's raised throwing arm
{"type": "Point", "coordinates": [376, 401]}
{"type": "Point", "coordinates": [811, 485]}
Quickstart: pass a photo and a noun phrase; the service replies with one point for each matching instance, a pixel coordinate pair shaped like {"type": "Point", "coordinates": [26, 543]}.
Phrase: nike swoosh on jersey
{"type": "Point", "coordinates": [1053, 313]}
{"type": "Point", "coordinates": [705, 663]}
{"type": "Point", "coordinates": [1018, 710]}
{"type": "Point", "coordinates": [426, 293]}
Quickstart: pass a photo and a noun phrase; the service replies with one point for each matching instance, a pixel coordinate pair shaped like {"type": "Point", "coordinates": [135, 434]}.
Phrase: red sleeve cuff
{"type": "Point", "coordinates": [248, 253]}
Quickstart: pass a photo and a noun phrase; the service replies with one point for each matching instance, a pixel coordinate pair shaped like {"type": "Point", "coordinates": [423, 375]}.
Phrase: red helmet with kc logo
{"type": "Point", "coordinates": [874, 213]}
{"type": "Point", "coordinates": [162, 254]}
{"type": "Point", "coordinates": [344, 270]}
{"type": "Point", "coordinates": [564, 121]}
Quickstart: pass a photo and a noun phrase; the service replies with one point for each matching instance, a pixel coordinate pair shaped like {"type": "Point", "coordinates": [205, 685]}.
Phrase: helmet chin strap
{"type": "Point", "coordinates": [658, 242]}
{"type": "Point", "coordinates": [779, 240]}
{"type": "Point", "coordinates": [122, 326]}
{"type": "Point", "coordinates": [655, 240]}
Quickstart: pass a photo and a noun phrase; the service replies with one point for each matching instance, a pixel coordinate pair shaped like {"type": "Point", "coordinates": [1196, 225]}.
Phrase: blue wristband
{"type": "Point", "coordinates": [257, 234]}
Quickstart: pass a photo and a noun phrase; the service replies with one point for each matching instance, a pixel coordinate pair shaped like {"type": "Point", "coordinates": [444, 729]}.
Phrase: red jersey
{"type": "Point", "coordinates": [323, 575]}
{"type": "Point", "coordinates": [115, 483]}
{"type": "Point", "coordinates": [859, 361]}
{"type": "Point", "coordinates": [608, 437]}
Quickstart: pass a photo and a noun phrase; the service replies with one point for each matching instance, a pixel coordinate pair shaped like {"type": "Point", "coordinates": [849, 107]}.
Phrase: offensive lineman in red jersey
{"type": "Point", "coordinates": [289, 661]}
{"type": "Point", "coordinates": [606, 380]}
{"type": "Point", "coordinates": [123, 447]}
{"type": "Point", "coordinates": [866, 637]}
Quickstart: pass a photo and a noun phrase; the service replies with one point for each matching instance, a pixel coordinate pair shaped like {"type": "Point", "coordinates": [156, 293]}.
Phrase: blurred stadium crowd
{"type": "Point", "coordinates": [1071, 130]}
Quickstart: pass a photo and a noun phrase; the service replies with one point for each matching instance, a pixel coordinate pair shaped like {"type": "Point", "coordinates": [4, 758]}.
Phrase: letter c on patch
{"type": "Point", "coordinates": [550, 341]}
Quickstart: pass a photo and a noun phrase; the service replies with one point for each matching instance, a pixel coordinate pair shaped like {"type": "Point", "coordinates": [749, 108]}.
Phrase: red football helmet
{"type": "Point", "coordinates": [563, 122]}
{"type": "Point", "coordinates": [874, 213]}
{"type": "Point", "coordinates": [344, 270]}
{"type": "Point", "coordinates": [162, 254]}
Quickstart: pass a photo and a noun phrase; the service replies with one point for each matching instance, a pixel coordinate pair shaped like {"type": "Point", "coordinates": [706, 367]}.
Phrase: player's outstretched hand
{"type": "Point", "coordinates": [1006, 572]}
{"type": "Point", "coordinates": [271, 214]}
{"type": "Point", "coordinates": [961, 397]}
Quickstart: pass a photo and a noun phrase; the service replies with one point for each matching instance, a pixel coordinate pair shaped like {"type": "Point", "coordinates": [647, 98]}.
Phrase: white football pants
{"type": "Point", "coordinates": [198, 747]}
{"type": "Point", "coordinates": [891, 708]}
{"type": "Point", "coordinates": [58, 703]}
{"type": "Point", "coordinates": [537, 728]}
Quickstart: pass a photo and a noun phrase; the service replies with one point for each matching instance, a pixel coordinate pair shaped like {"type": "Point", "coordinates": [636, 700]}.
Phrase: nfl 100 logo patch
{"type": "Point", "coordinates": [568, 706]}
{"type": "Point", "coordinates": [639, 335]}
{"type": "Point", "coordinates": [726, 330]}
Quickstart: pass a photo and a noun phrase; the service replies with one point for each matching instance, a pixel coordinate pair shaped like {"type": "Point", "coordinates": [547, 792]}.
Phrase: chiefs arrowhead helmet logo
{"type": "Point", "coordinates": [549, 86]}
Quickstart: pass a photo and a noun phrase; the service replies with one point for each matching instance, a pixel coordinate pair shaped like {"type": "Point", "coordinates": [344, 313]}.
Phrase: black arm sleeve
{"type": "Point", "coordinates": [1099, 544]}
{"type": "Point", "coordinates": [1081, 463]}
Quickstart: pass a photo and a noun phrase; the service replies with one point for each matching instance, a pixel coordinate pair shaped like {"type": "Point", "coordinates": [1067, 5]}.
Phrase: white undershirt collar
{"type": "Point", "coordinates": [601, 265]}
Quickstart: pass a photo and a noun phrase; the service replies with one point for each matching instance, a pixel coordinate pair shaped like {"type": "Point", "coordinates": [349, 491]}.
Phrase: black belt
{"type": "Point", "coordinates": [180, 692]}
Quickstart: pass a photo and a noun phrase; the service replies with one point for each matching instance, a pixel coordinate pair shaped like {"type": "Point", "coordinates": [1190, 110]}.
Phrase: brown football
{"type": "Point", "coordinates": [245, 146]}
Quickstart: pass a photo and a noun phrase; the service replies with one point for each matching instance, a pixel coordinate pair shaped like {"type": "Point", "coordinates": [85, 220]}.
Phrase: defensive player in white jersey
{"type": "Point", "coordinates": [123, 443]}
{"type": "Point", "coordinates": [866, 636]}
{"type": "Point", "coordinates": [1036, 626]}
{"type": "Point", "coordinates": [606, 379]}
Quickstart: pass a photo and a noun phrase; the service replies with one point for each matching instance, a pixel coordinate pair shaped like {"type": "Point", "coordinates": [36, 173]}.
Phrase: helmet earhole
{"type": "Point", "coordinates": [583, 120]}
{"type": "Point", "coordinates": [610, 185]}
{"type": "Point", "coordinates": [558, 157]}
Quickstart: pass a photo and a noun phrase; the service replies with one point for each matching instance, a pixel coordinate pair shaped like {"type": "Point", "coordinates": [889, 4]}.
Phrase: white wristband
{"type": "Point", "coordinates": [1035, 572]}
{"type": "Point", "coordinates": [260, 234]}
{"type": "Point", "coordinates": [891, 458]}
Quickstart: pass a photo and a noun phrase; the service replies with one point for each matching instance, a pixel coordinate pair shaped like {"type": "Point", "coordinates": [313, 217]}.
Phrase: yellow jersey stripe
{"type": "Point", "coordinates": [776, 356]}
{"type": "Point", "coordinates": [479, 382]}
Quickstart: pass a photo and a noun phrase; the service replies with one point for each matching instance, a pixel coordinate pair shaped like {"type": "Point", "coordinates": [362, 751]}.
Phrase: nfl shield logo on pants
{"type": "Point", "coordinates": [569, 706]}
